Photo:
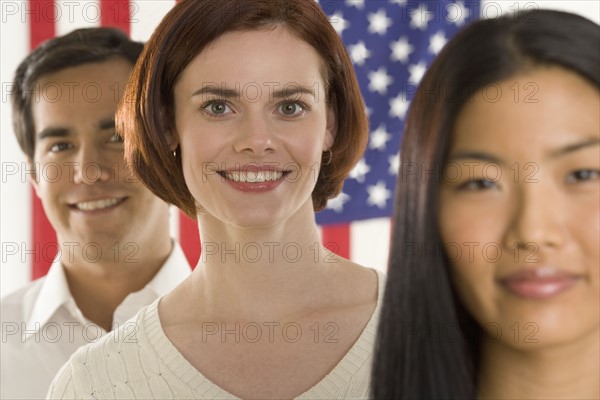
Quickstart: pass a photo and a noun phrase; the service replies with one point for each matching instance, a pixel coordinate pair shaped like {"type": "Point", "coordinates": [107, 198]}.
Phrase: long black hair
{"type": "Point", "coordinates": [428, 345]}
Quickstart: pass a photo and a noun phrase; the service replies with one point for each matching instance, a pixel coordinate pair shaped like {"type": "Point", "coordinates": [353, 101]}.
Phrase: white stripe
{"type": "Point", "coordinates": [146, 15]}
{"type": "Point", "coordinates": [15, 196]}
{"type": "Point", "coordinates": [174, 222]}
{"type": "Point", "coordinates": [71, 15]}
{"type": "Point", "coordinates": [370, 243]}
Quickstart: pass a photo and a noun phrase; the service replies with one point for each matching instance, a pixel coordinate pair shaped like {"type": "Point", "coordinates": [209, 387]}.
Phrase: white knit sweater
{"type": "Point", "coordinates": [138, 361]}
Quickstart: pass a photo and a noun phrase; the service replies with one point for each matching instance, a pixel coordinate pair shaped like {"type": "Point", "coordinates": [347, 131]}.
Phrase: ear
{"type": "Point", "coordinates": [330, 129]}
{"type": "Point", "coordinates": [172, 140]}
{"type": "Point", "coordinates": [32, 177]}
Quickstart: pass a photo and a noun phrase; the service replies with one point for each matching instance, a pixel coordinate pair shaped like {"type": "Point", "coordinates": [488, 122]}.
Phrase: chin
{"type": "Point", "coordinates": [546, 329]}
{"type": "Point", "coordinates": [261, 222]}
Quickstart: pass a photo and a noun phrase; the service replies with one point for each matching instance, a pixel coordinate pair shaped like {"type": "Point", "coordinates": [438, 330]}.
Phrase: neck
{"type": "Point", "coordinates": [567, 371]}
{"type": "Point", "coordinates": [242, 270]}
{"type": "Point", "coordinates": [101, 278]}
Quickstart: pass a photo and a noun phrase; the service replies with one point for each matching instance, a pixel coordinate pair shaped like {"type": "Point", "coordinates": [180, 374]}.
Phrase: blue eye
{"type": "Point", "coordinates": [291, 109]}
{"type": "Point", "coordinates": [216, 107]}
{"type": "Point", "coordinates": [583, 175]}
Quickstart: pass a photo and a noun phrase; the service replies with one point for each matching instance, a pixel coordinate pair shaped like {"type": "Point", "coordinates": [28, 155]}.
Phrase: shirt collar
{"type": "Point", "coordinates": [172, 273]}
{"type": "Point", "coordinates": [55, 292]}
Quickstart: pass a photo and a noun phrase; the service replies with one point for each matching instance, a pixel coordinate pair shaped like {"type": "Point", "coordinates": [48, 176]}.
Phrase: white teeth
{"type": "Point", "coordinates": [254, 177]}
{"type": "Point", "coordinates": [97, 204]}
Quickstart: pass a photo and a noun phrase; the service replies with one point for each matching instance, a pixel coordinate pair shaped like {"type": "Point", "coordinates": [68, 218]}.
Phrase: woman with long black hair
{"type": "Point", "coordinates": [493, 281]}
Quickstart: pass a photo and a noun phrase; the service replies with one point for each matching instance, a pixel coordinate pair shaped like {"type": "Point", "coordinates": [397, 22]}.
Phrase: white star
{"type": "Point", "coordinates": [436, 42]}
{"type": "Point", "coordinates": [379, 137]}
{"type": "Point", "coordinates": [416, 72]}
{"type": "Point", "coordinates": [360, 4]}
{"type": "Point", "coordinates": [360, 170]}
{"type": "Point", "coordinates": [368, 111]}
{"type": "Point", "coordinates": [394, 164]}
{"type": "Point", "coordinates": [378, 194]}
{"type": "Point", "coordinates": [457, 13]}
{"type": "Point", "coordinates": [379, 22]}
{"type": "Point", "coordinates": [379, 81]}
{"type": "Point", "coordinates": [420, 17]}
{"type": "Point", "coordinates": [399, 106]}
{"type": "Point", "coordinates": [337, 204]}
{"type": "Point", "coordinates": [401, 50]}
{"type": "Point", "coordinates": [339, 23]}
{"type": "Point", "coordinates": [399, 2]}
{"type": "Point", "coordinates": [359, 53]}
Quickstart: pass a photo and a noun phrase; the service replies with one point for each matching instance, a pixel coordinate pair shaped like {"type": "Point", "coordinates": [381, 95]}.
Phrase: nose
{"type": "Point", "coordinates": [91, 166]}
{"type": "Point", "coordinates": [255, 135]}
{"type": "Point", "coordinates": [537, 220]}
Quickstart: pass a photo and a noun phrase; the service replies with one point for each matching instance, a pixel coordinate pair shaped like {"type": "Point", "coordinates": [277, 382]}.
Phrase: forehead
{"type": "Point", "coordinates": [84, 92]}
{"type": "Point", "coordinates": [527, 113]}
{"type": "Point", "coordinates": [265, 57]}
{"type": "Point", "coordinates": [107, 73]}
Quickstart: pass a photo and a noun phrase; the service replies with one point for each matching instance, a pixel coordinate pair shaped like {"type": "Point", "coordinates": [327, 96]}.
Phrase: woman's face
{"type": "Point", "coordinates": [519, 208]}
{"type": "Point", "coordinates": [252, 123]}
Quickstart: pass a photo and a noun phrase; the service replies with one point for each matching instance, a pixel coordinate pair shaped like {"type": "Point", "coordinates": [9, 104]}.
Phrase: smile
{"type": "Point", "coordinates": [539, 283]}
{"type": "Point", "coordinates": [98, 204]}
{"type": "Point", "coordinates": [253, 176]}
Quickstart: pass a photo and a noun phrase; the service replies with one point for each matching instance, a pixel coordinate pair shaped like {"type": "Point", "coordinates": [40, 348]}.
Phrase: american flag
{"type": "Point", "coordinates": [391, 42]}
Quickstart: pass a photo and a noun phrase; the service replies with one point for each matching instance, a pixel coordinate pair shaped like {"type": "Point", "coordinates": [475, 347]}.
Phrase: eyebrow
{"type": "Point", "coordinates": [53, 132]}
{"type": "Point", "coordinates": [103, 125]}
{"type": "Point", "coordinates": [290, 91]}
{"type": "Point", "coordinates": [217, 91]}
{"type": "Point", "coordinates": [571, 148]}
{"type": "Point", "coordinates": [475, 155]}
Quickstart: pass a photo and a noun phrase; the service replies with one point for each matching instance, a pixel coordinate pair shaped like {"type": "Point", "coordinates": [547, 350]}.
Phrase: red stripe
{"type": "Point", "coordinates": [42, 18]}
{"type": "Point", "coordinates": [43, 239]}
{"type": "Point", "coordinates": [116, 13]}
{"type": "Point", "coordinates": [189, 238]}
{"type": "Point", "coordinates": [337, 239]}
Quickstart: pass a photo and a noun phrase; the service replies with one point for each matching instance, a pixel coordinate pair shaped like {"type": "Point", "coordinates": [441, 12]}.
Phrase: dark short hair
{"type": "Point", "coordinates": [419, 292]}
{"type": "Point", "coordinates": [147, 114]}
{"type": "Point", "coordinates": [82, 46]}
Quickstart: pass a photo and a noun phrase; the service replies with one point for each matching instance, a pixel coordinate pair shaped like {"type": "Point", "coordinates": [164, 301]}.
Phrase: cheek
{"type": "Point", "coordinates": [587, 238]}
{"type": "Point", "coordinates": [197, 151]}
{"type": "Point", "coordinates": [51, 174]}
{"type": "Point", "coordinates": [52, 177]}
{"type": "Point", "coordinates": [467, 230]}
{"type": "Point", "coordinates": [470, 237]}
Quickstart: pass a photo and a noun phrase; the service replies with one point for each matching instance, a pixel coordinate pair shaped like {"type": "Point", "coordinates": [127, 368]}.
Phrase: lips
{"type": "Point", "coordinates": [539, 283]}
{"type": "Point", "coordinates": [254, 173]}
{"type": "Point", "coordinates": [254, 178]}
{"type": "Point", "coordinates": [99, 204]}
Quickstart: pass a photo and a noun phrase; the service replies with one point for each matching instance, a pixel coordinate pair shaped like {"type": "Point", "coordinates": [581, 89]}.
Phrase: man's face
{"type": "Point", "coordinates": [86, 188]}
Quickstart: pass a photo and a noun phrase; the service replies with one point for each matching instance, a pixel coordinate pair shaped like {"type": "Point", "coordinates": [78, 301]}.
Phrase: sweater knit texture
{"type": "Point", "coordinates": [138, 361]}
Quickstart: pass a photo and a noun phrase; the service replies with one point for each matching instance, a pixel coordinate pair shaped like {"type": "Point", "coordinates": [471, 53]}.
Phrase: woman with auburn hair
{"type": "Point", "coordinates": [248, 117]}
{"type": "Point", "coordinates": [507, 306]}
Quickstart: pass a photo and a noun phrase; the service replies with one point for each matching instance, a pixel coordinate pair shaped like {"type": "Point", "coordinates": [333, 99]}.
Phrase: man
{"type": "Point", "coordinates": [115, 253]}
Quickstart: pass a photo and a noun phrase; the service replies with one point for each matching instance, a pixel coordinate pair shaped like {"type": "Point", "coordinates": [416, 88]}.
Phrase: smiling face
{"type": "Point", "coordinates": [252, 123]}
{"type": "Point", "coordinates": [87, 191]}
{"type": "Point", "coordinates": [521, 199]}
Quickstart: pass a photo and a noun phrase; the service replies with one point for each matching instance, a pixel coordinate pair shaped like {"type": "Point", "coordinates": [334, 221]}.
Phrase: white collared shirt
{"type": "Point", "coordinates": [42, 326]}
